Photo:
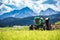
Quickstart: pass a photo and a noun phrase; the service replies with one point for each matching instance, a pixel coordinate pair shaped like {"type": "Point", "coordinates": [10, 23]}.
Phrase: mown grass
{"type": "Point", "coordinates": [9, 33]}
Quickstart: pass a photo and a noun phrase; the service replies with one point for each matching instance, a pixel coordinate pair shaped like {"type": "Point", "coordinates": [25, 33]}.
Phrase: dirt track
{"type": "Point", "coordinates": [56, 26]}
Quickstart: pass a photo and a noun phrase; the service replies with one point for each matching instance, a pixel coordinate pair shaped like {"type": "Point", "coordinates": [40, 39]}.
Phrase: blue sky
{"type": "Point", "coordinates": [35, 5]}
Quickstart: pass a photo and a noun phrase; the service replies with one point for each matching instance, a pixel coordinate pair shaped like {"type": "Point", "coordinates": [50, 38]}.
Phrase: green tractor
{"type": "Point", "coordinates": [40, 22]}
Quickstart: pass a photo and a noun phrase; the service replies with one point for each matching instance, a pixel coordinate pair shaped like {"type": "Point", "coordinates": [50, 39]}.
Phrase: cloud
{"type": "Point", "coordinates": [35, 5]}
{"type": "Point", "coordinates": [52, 2]}
{"type": "Point", "coordinates": [4, 9]}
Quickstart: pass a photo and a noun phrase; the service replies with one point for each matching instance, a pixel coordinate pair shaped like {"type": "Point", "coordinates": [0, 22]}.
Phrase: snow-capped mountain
{"type": "Point", "coordinates": [48, 12]}
{"type": "Point", "coordinates": [25, 12]}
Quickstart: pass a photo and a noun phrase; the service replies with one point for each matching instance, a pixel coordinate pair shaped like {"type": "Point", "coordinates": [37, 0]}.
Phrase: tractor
{"type": "Point", "coordinates": [40, 22]}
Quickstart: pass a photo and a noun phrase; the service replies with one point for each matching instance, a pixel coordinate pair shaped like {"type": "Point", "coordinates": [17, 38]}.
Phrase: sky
{"type": "Point", "coordinates": [35, 5]}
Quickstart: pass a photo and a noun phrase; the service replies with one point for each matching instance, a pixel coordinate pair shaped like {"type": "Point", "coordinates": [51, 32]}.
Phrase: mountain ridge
{"type": "Point", "coordinates": [27, 12]}
{"type": "Point", "coordinates": [11, 21]}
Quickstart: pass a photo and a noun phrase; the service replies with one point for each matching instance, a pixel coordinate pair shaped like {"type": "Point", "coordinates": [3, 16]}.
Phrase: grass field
{"type": "Point", "coordinates": [26, 34]}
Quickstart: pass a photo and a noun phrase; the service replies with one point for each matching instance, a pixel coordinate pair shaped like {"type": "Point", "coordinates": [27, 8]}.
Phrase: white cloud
{"type": "Point", "coordinates": [36, 6]}
{"type": "Point", "coordinates": [7, 9]}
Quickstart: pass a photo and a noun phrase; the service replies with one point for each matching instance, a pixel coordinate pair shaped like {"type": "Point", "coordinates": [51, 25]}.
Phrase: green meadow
{"type": "Point", "coordinates": [16, 33]}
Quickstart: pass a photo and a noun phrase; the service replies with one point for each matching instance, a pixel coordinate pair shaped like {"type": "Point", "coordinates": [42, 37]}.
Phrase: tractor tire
{"type": "Point", "coordinates": [48, 24]}
{"type": "Point", "coordinates": [37, 27]}
{"type": "Point", "coordinates": [48, 27]}
{"type": "Point", "coordinates": [31, 27]}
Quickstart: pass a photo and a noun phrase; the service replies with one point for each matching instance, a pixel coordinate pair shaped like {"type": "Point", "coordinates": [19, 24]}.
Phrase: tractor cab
{"type": "Point", "coordinates": [38, 20]}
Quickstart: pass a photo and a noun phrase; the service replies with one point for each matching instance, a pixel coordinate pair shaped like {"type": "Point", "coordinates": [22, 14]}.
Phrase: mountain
{"type": "Point", "coordinates": [25, 12]}
{"type": "Point", "coordinates": [26, 16]}
{"type": "Point", "coordinates": [11, 21]}
{"type": "Point", "coordinates": [48, 12]}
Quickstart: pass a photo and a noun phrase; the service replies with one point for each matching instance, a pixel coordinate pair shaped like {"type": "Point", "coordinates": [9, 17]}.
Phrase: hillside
{"type": "Point", "coordinates": [11, 21]}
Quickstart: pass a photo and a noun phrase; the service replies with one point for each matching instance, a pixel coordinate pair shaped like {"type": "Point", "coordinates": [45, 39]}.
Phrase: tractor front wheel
{"type": "Point", "coordinates": [31, 27]}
